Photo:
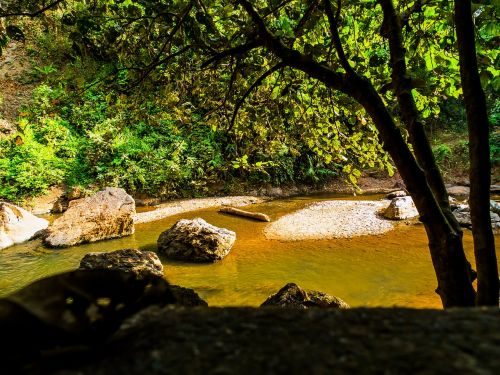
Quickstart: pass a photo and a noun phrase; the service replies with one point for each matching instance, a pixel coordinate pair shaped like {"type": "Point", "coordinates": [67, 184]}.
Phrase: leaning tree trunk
{"type": "Point", "coordinates": [480, 166]}
{"type": "Point", "coordinates": [445, 243]}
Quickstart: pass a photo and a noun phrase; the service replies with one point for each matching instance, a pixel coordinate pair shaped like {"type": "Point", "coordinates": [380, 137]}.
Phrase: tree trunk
{"type": "Point", "coordinates": [445, 243]}
{"type": "Point", "coordinates": [480, 166]}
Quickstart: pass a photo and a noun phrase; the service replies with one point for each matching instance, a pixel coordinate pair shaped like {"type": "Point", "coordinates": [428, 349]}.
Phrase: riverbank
{"type": "Point", "coordinates": [287, 341]}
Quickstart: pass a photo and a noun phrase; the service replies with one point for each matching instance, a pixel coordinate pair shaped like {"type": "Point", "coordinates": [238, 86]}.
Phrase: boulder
{"type": "Point", "coordinates": [396, 194]}
{"type": "Point", "coordinates": [401, 208]}
{"type": "Point", "coordinates": [292, 295]}
{"type": "Point", "coordinates": [141, 264]}
{"type": "Point", "coordinates": [18, 225]}
{"type": "Point", "coordinates": [458, 190]}
{"type": "Point", "coordinates": [186, 297]}
{"type": "Point", "coordinates": [196, 241]}
{"type": "Point", "coordinates": [138, 262]}
{"type": "Point", "coordinates": [495, 207]}
{"type": "Point", "coordinates": [462, 214]}
{"type": "Point", "coordinates": [107, 214]}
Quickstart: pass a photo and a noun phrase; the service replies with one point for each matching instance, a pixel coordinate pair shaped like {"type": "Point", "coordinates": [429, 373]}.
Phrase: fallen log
{"type": "Point", "coordinates": [253, 215]}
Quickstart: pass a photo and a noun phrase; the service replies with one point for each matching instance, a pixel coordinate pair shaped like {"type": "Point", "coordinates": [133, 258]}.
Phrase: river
{"type": "Point", "coordinates": [384, 270]}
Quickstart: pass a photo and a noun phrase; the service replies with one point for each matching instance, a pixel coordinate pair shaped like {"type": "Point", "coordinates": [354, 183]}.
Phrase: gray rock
{"type": "Point", "coordinates": [107, 214]}
{"type": "Point", "coordinates": [18, 225]}
{"type": "Point", "coordinates": [396, 194]}
{"type": "Point", "coordinates": [401, 208]}
{"type": "Point", "coordinates": [196, 241]}
{"type": "Point", "coordinates": [292, 295]}
{"type": "Point", "coordinates": [462, 215]}
{"type": "Point", "coordinates": [495, 207]}
{"type": "Point", "coordinates": [138, 262]}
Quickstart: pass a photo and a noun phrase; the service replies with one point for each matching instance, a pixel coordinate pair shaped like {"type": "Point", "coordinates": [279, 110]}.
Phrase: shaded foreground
{"type": "Point", "coordinates": [284, 341]}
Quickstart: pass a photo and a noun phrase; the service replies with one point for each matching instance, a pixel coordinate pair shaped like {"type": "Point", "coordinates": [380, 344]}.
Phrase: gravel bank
{"type": "Point", "coordinates": [331, 219]}
{"type": "Point", "coordinates": [178, 207]}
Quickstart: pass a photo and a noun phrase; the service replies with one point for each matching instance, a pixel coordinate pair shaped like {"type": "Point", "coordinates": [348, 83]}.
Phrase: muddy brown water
{"type": "Point", "coordinates": [384, 270]}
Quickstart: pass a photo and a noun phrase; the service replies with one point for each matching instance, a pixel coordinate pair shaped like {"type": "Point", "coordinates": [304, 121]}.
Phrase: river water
{"type": "Point", "coordinates": [384, 270]}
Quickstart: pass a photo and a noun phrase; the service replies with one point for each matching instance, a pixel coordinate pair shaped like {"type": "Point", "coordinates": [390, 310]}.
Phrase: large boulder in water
{"type": "Point", "coordinates": [401, 208]}
{"type": "Point", "coordinates": [292, 295]}
{"type": "Point", "coordinates": [18, 225]}
{"type": "Point", "coordinates": [140, 263]}
{"type": "Point", "coordinates": [107, 214]}
{"type": "Point", "coordinates": [196, 241]}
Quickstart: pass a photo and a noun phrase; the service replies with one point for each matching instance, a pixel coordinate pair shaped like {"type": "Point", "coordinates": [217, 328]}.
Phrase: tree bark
{"type": "Point", "coordinates": [480, 165]}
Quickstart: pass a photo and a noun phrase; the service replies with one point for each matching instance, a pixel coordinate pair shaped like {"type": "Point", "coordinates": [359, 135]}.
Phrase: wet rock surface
{"type": "Point", "coordinates": [107, 214]}
{"type": "Point", "coordinates": [292, 295]}
{"type": "Point", "coordinates": [401, 208]}
{"type": "Point", "coordinates": [462, 214]}
{"type": "Point", "coordinates": [291, 341]}
{"type": "Point", "coordinates": [138, 262]}
{"type": "Point", "coordinates": [196, 241]}
{"type": "Point", "coordinates": [18, 225]}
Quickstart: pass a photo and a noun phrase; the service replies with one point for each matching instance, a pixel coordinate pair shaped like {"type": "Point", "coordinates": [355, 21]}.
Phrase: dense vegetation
{"type": "Point", "coordinates": [110, 109]}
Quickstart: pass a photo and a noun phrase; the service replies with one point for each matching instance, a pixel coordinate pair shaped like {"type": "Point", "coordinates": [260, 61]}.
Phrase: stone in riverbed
{"type": "Point", "coordinates": [141, 264]}
{"type": "Point", "coordinates": [196, 241]}
{"type": "Point", "coordinates": [138, 262]}
{"type": "Point", "coordinates": [458, 190]}
{"type": "Point", "coordinates": [292, 295]}
{"type": "Point", "coordinates": [401, 208]}
{"type": "Point", "coordinates": [18, 225]}
{"type": "Point", "coordinates": [396, 194]}
{"type": "Point", "coordinates": [107, 214]}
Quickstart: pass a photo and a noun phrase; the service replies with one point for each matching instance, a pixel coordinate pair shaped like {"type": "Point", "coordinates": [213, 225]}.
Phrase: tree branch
{"type": "Point", "coordinates": [257, 83]}
{"type": "Point", "coordinates": [33, 14]}
{"type": "Point", "coordinates": [333, 20]}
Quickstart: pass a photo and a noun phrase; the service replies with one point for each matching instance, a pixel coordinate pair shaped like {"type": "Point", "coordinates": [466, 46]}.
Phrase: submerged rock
{"type": "Point", "coordinates": [107, 214]}
{"type": "Point", "coordinates": [292, 295]}
{"type": "Point", "coordinates": [18, 225]}
{"type": "Point", "coordinates": [401, 208]}
{"type": "Point", "coordinates": [196, 241]}
{"type": "Point", "coordinates": [138, 262]}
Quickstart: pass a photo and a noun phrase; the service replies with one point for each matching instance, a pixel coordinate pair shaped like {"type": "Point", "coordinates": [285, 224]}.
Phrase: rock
{"type": "Point", "coordinates": [196, 241]}
{"type": "Point", "coordinates": [460, 191]}
{"type": "Point", "coordinates": [76, 192]}
{"type": "Point", "coordinates": [186, 297]}
{"type": "Point", "coordinates": [462, 215]}
{"type": "Point", "coordinates": [291, 295]}
{"type": "Point", "coordinates": [18, 225]}
{"type": "Point", "coordinates": [495, 189]}
{"type": "Point", "coordinates": [138, 262]}
{"type": "Point", "coordinates": [47, 203]}
{"type": "Point", "coordinates": [401, 208]}
{"type": "Point", "coordinates": [396, 194]}
{"type": "Point", "coordinates": [495, 207]}
{"type": "Point", "coordinates": [107, 214]}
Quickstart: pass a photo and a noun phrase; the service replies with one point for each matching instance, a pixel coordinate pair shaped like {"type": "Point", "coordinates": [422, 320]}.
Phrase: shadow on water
{"type": "Point", "coordinates": [383, 270]}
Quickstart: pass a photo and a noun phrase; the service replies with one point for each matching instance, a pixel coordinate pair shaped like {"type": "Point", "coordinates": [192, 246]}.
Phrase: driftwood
{"type": "Point", "coordinates": [253, 215]}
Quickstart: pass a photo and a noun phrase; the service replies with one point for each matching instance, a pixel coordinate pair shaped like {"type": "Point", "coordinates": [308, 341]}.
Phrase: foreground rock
{"type": "Point", "coordinates": [18, 225]}
{"type": "Point", "coordinates": [141, 264]}
{"type": "Point", "coordinates": [107, 214]}
{"type": "Point", "coordinates": [401, 208]}
{"type": "Point", "coordinates": [138, 262]}
{"type": "Point", "coordinates": [330, 219]}
{"type": "Point", "coordinates": [196, 241]}
{"type": "Point", "coordinates": [292, 295]}
{"type": "Point", "coordinates": [290, 341]}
